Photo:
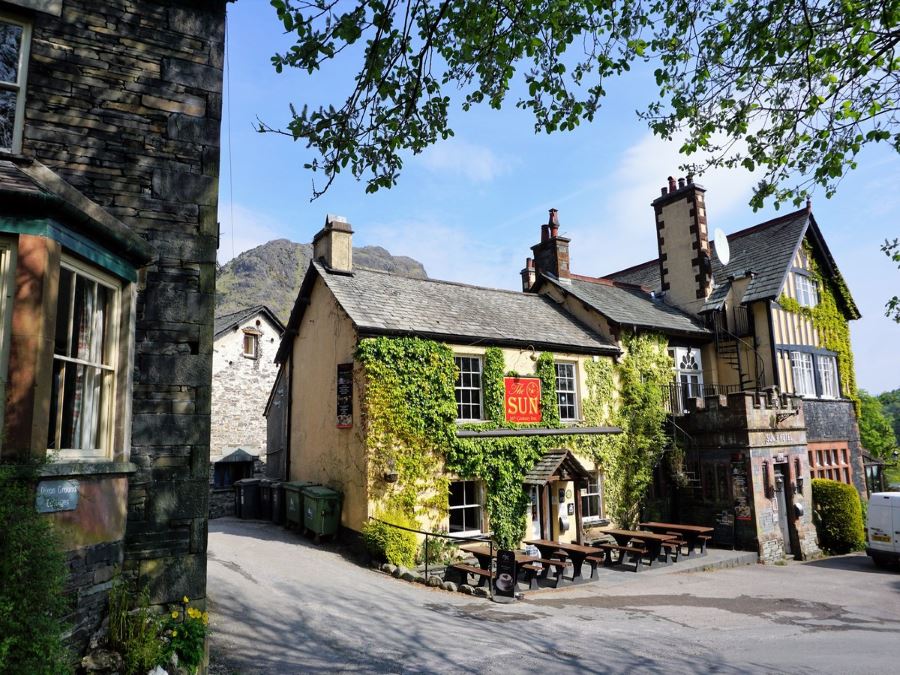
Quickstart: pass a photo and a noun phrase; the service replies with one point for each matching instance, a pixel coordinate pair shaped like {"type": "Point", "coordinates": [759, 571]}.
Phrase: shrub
{"type": "Point", "coordinates": [134, 633]}
{"type": "Point", "coordinates": [440, 551]}
{"type": "Point", "coordinates": [384, 542]}
{"type": "Point", "coordinates": [32, 579]}
{"type": "Point", "coordinates": [186, 630]}
{"type": "Point", "coordinates": [838, 516]}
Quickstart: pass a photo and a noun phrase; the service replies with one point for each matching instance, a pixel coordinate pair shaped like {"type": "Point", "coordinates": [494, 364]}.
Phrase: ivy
{"type": "Point", "coordinates": [830, 322]}
{"type": "Point", "coordinates": [546, 370]}
{"type": "Point", "coordinates": [409, 414]}
{"type": "Point", "coordinates": [492, 383]}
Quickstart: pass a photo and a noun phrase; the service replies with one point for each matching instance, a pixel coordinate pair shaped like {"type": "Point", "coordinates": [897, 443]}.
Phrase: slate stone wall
{"type": "Point", "coordinates": [836, 421]}
{"type": "Point", "coordinates": [123, 102]}
{"type": "Point", "coordinates": [91, 570]}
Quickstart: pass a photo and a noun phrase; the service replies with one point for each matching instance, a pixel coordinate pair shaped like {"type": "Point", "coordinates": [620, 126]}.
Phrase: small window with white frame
{"type": "Point", "coordinates": [465, 507]}
{"type": "Point", "coordinates": [15, 40]}
{"type": "Point", "coordinates": [592, 499]}
{"type": "Point", "coordinates": [468, 387]}
{"type": "Point", "coordinates": [85, 362]}
{"type": "Point", "coordinates": [807, 291]}
{"type": "Point", "coordinates": [251, 344]}
{"type": "Point", "coordinates": [827, 376]}
{"type": "Point", "coordinates": [802, 371]}
{"type": "Point", "coordinates": [566, 388]}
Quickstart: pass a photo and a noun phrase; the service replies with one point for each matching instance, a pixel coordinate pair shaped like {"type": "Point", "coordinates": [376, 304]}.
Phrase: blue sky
{"type": "Point", "coordinates": [470, 208]}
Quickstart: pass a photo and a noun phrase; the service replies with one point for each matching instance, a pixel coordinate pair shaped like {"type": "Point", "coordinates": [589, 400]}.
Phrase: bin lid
{"type": "Point", "coordinates": [321, 492]}
{"type": "Point", "coordinates": [247, 481]}
{"type": "Point", "coordinates": [298, 484]}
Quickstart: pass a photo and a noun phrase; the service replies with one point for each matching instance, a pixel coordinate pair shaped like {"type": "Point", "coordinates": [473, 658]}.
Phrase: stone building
{"type": "Point", "coordinates": [109, 162]}
{"type": "Point", "coordinates": [243, 373]}
{"type": "Point", "coordinates": [763, 310]}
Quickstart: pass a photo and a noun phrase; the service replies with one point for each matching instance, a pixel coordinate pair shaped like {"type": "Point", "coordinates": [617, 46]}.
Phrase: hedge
{"type": "Point", "coordinates": [838, 516]}
{"type": "Point", "coordinates": [392, 544]}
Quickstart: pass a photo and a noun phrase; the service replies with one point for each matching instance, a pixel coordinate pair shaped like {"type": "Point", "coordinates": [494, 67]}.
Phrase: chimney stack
{"type": "Point", "coordinates": [551, 256]}
{"type": "Point", "coordinates": [333, 245]}
{"type": "Point", "coordinates": [683, 243]}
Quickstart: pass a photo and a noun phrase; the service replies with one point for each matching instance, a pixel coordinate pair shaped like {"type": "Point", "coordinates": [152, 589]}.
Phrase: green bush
{"type": "Point", "coordinates": [32, 579]}
{"type": "Point", "coordinates": [838, 516]}
{"type": "Point", "coordinates": [134, 633]}
{"type": "Point", "coordinates": [384, 542]}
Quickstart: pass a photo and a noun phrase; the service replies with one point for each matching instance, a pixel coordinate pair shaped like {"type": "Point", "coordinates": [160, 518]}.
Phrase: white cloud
{"type": "Point", "coordinates": [246, 230]}
{"type": "Point", "coordinates": [456, 156]}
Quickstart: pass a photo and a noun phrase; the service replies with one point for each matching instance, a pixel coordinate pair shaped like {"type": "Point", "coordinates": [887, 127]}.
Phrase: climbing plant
{"type": "Point", "coordinates": [409, 414]}
{"type": "Point", "coordinates": [492, 383]}
{"type": "Point", "coordinates": [830, 322]}
{"type": "Point", "coordinates": [637, 406]}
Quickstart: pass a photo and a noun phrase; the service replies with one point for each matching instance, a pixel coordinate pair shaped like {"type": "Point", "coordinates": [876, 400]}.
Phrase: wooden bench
{"type": "Point", "coordinates": [704, 539]}
{"type": "Point", "coordinates": [636, 552]}
{"type": "Point", "coordinates": [460, 571]}
{"type": "Point", "coordinates": [676, 546]}
{"type": "Point", "coordinates": [558, 566]}
{"type": "Point", "coordinates": [594, 560]}
{"type": "Point", "coordinates": [532, 571]}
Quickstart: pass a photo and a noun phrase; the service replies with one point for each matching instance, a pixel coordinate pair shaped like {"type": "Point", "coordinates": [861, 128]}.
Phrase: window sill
{"type": "Point", "coordinates": [84, 468]}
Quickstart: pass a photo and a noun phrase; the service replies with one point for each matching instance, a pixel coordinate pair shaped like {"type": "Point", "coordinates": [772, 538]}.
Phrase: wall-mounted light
{"type": "Point", "coordinates": [767, 482]}
{"type": "Point", "coordinates": [798, 475]}
{"type": "Point", "coordinates": [391, 475]}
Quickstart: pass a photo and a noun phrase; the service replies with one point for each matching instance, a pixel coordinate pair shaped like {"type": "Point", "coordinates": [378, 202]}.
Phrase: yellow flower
{"type": "Point", "coordinates": [174, 633]}
{"type": "Point", "coordinates": [185, 599]}
{"type": "Point", "coordinates": [193, 613]}
{"type": "Point", "coordinates": [205, 618]}
{"type": "Point", "coordinates": [175, 614]}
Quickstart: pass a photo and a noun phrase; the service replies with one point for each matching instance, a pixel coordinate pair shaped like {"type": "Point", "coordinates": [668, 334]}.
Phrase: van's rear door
{"type": "Point", "coordinates": [882, 523]}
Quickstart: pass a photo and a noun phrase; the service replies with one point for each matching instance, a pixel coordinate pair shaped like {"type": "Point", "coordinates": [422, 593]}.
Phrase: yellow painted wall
{"type": "Point", "coordinates": [320, 451]}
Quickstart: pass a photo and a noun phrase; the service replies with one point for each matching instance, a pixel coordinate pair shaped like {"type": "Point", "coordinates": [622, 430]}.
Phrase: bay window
{"type": "Point", "coordinates": [802, 371]}
{"type": "Point", "coordinates": [827, 376]}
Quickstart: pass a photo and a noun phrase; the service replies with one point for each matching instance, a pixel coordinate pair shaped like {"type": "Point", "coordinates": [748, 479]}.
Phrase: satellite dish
{"type": "Point", "coordinates": [723, 250]}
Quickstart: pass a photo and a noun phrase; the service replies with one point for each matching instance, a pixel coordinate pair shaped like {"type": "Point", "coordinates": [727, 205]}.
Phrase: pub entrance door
{"type": "Point", "coordinates": [782, 502]}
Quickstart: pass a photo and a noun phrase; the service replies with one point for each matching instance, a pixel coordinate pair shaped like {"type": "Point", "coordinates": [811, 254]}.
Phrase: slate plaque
{"type": "Point", "coordinates": [56, 495]}
{"type": "Point", "coordinates": [345, 395]}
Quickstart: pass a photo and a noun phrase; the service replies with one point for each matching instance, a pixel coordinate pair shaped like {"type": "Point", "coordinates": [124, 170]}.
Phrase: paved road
{"type": "Point", "coordinates": [281, 605]}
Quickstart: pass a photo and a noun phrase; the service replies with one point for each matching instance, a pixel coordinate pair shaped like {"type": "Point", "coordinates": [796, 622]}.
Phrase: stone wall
{"type": "Point", "coordinates": [241, 387]}
{"type": "Point", "coordinates": [123, 102]}
{"type": "Point", "coordinates": [91, 570]}
{"type": "Point", "coordinates": [221, 502]}
{"type": "Point", "coordinates": [836, 421]}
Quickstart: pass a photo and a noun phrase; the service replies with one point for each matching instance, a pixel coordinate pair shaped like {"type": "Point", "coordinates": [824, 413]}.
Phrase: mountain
{"type": "Point", "coordinates": [271, 274]}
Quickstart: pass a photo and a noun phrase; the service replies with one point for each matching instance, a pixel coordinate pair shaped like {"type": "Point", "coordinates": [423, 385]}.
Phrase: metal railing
{"type": "Point", "coordinates": [678, 394]}
{"type": "Point", "coordinates": [481, 538]}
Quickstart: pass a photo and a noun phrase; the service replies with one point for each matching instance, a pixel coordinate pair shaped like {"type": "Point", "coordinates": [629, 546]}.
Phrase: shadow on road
{"type": "Point", "coordinates": [854, 562]}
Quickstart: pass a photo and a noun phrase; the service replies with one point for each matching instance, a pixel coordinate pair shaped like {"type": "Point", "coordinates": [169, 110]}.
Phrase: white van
{"type": "Point", "coordinates": [883, 528]}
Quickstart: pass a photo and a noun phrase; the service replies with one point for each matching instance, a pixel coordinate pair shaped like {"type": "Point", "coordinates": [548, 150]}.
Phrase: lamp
{"type": "Point", "coordinates": [798, 477]}
{"type": "Point", "coordinates": [391, 475]}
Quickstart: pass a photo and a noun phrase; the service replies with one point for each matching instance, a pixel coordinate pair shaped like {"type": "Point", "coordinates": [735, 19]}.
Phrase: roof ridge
{"type": "Point", "coordinates": [612, 282]}
{"type": "Point", "coordinates": [654, 261]}
{"type": "Point", "coordinates": [768, 223]}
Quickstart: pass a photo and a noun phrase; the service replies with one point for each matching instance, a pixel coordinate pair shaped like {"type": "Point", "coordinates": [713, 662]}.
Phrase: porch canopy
{"type": "Point", "coordinates": [555, 465]}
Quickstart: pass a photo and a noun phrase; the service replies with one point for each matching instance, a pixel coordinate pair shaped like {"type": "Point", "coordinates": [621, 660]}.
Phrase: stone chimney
{"type": "Point", "coordinates": [528, 275]}
{"type": "Point", "coordinates": [333, 245]}
{"type": "Point", "coordinates": [551, 256]}
{"type": "Point", "coordinates": [681, 235]}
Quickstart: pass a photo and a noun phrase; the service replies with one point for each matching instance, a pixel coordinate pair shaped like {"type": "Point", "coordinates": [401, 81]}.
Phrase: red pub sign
{"type": "Point", "coordinates": [522, 399]}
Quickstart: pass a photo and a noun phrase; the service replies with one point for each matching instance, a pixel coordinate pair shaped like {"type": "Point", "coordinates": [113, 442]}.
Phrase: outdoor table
{"type": "Point", "coordinates": [652, 542]}
{"type": "Point", "coordinates": [576, 552]}
{"type": "Point", "coordinates": [690, 533]}
{"type": "Point", "coordinates": [485, 555]}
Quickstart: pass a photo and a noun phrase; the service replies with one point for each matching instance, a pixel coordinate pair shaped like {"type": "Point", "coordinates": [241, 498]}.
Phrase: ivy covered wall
{"type": "Point", "coordinates": [409, 413]}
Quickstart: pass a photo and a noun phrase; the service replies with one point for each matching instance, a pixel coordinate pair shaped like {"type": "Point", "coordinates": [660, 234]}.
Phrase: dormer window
{"type": "Point", "coordinates": [15, 37]}
{"type": "Point", "coordinates": [807, 291]}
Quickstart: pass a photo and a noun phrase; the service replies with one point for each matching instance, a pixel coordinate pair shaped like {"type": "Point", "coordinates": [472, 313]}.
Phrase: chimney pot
{"type": "Point", "coordinates": [664, 191]}
{"type": "Point", "coordinates": [333, 244]}
{"type": "Point", "coordinates": [680, 183]}
{"type": "Point", "coordinates": [545, 233]}
{"type": "Point", "coordinates": [690, 179]}
{"type": "Point", "coordinates": [671, 184]}
{"type": "Point", "coordinates": [529, 263]}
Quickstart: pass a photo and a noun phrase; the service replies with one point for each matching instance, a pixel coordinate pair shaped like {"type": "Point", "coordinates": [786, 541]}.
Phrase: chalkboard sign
{"type": "Point", "coordinates": [345, 395]}
{"type": "Point", "coordinates": [723, 529]}
{"type": "Point", "coordinates": [56, 495]}
{"type": "Point", "coordinates": [505, 582]}
{"type": "Point", "coordinates": [743, 509]}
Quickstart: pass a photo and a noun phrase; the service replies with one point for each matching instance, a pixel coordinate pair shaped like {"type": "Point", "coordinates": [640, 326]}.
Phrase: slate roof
{"type": "Point", "coordinates": [225, 322]}
{"type": "Point", "coordinates": [29, 188]}
{"type": "Point", "coordinates": [382, 303]}
{"type": "Point", "coordinates": [239, 455]}
{"type": "Point", "coordinates": [548, 465]}
{"type": "Point", "coordinates": [630, 305]}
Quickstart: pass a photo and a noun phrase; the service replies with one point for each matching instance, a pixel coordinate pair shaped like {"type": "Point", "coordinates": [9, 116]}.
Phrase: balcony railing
{"type": "Point", "coordinates": [680, 394]}
{"type": "Point", "coordinates": [731, 323]}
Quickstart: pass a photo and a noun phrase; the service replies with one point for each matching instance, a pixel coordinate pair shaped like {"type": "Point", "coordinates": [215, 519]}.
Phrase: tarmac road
{"type": "Point", "coordinates": [279, 604]}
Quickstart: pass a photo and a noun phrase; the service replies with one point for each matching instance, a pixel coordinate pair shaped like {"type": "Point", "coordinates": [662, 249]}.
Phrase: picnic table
{"type": "Point", "coordinates": [486, 554]}
{"type": "Point", "coordinates": [575, 552]}
{"type": "Point", "coordinates": [695, 536]}
{"type": "Point", "coordinates": [651, 542]}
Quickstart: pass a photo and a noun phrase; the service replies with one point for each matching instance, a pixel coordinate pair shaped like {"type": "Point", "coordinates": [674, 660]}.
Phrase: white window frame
{"type": "Point", "coordinates": [688, 382]}
{"type": "Point", "coordinates": [596, 482]}
{"type": "Point", "coordinates": [20, 85]}
{"type": "Point", "coordinates": [572, 392]}
{"type": "Point", "coordinates": [803, 374]}
{"type": "Point", "coordinates": [828, 378]}
{"type": "Point", "coordinates": [475, 506]}
{"type": "Point", "coordinates": [7, 290]}
{"type": "Point", "coordinates": [807, 290]}
{"type": "Point", "coordinates": [459, 388]}
{"type": "Point", "coordinates": [105, 437]}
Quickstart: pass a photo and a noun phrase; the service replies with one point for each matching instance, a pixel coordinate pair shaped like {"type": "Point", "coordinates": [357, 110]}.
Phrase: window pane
{"type": "Point", "coordinates": [468, 388]}
{"type": "Point", "coordinates": [63, 312]}
{"type": "Point", "coordinates": [10, 44]}
{"type": "Point", "coordinates": [7, 117]}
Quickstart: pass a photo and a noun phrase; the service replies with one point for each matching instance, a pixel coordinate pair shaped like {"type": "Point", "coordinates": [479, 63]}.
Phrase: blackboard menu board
{"type": "Point", "coordinates": [345, 395]}
{"type": "Point", "coordinates": [743, 510]}
{"type": "Point", "coordinates": [723, 529]}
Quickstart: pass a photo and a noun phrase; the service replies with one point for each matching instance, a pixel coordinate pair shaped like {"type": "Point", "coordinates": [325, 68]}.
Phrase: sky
{"type": "Point", "coordinates": [471, 207]}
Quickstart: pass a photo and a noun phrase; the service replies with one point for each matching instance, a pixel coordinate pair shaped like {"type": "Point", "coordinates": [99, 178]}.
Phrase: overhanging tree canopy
{"type": "Point", "coordinates": [794, 88]}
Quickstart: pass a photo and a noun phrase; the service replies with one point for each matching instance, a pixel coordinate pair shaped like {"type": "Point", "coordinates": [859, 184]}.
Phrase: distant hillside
{"type": "Point", "coordinates": [271, 274]}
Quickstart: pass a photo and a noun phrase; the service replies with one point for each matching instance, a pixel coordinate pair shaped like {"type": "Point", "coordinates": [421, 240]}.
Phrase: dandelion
{"type": "Point", "coordinates": [205, 618]}
{"type": "Point", "coordinates": [185, 599]}
{"type": "Point", "coordinates": [175, 614]}
{"type": "Point", "coordinates": [193, 613]}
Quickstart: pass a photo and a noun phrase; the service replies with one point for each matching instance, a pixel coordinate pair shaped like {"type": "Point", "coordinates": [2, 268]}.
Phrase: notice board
{"type": "Point", "coordinates": [344, 395]}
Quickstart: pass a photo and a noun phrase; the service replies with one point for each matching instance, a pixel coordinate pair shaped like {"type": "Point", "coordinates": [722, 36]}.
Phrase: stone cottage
{"type": "Point", "coordinates": [109, 163]}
